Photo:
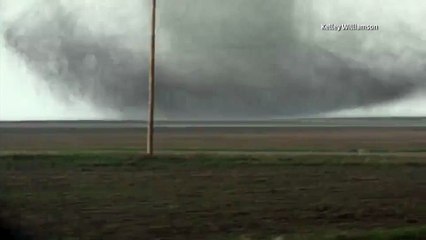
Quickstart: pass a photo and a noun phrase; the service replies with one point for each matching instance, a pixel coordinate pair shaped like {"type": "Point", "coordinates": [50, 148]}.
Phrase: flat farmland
{"type": "Point", "coordinates": [378, 137]}
{"type": "Point", "coordinates": [79, 181]}
{"type": "Point", "coordinates": [104, 196]}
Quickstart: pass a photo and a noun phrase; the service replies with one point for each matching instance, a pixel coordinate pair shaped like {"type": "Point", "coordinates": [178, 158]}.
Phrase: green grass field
{"type": "Point", "coordinates": [122, 195]}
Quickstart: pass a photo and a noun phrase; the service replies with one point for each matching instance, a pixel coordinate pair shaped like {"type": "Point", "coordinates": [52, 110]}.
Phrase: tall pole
{"type": "Point", "coordinates": [151, 103]}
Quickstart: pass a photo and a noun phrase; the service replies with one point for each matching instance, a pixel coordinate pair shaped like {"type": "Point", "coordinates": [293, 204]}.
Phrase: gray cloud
{"type": "Point", "coordinates": [218, 59]}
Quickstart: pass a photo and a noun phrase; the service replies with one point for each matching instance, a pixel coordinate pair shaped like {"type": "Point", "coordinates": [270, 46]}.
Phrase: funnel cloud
{"type": "Point", "coordinates": [223, 59]}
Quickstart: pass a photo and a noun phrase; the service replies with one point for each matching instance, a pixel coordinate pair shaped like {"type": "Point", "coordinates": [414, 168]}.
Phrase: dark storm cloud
{"type": "Point", "coordinates": [227, 59]}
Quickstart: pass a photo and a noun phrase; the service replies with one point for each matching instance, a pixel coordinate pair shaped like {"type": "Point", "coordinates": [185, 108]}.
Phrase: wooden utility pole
{"type": "Point", "coordinates": [151, 103]}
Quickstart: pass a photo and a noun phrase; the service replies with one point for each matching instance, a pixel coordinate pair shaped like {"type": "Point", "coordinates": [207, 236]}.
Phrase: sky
{"type": "Point", "coordinates": [216, 59]}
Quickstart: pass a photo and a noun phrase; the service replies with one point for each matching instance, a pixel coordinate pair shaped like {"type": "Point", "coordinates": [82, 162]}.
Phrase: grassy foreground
{"type": "Point", "coordinates": [206, 196]}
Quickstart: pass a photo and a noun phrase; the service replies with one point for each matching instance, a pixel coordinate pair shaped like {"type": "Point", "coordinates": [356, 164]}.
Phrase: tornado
{"type": "Point", "coordinates": [223, 59]}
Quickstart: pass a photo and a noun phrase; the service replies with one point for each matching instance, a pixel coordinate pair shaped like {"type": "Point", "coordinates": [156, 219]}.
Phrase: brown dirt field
{"type": "Point", "coordinates": [262, 139]}
{"type": "Point", "coordinates": [186, 200]}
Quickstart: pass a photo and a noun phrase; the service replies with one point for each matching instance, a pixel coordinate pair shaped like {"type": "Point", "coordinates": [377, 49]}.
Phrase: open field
{"type": "Point", "coordinates": [122, 196]}
{"type": "Point", "coordinates": [77, 181]}
{"type": "Point", "coordinates": [338, 136]}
